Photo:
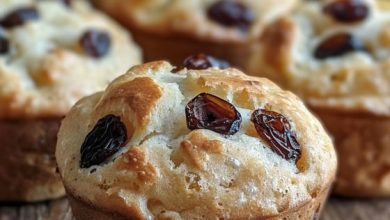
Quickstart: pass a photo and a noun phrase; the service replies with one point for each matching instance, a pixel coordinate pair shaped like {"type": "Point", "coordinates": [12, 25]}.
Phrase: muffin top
{"type": "Point", "coordinates": [215, 20]}
{"type": "Point", "coordinates": [161, 142]}
{"type": "Point", "coordinates": [52, 53]}
{"type": "Point", "coordinates": [334, 54]}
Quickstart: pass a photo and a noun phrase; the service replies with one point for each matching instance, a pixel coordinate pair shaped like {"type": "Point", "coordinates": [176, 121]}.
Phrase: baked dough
{"type": "Point", "coordinates": [46, 71]}
{"type": "Point", "coordinates": [43, 72]}
{"type": "Point", "coordinates": [350, 93]}
{"type": "Point", "coordinates": [166, 170]}
{"type": "Point", "coordinates": [172, 30]}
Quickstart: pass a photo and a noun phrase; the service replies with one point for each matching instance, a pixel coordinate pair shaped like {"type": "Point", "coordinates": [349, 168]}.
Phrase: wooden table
{"type": "Point", "coordinates": [337, 209]}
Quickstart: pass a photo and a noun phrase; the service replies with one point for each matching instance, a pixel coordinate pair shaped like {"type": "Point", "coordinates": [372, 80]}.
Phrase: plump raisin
{"type": "Point", "coordinates": [231, 14]}
{"type": "Point", "coordinates": [275, 129]}
{"type": "Point", "coordinates": [347, 11]}
{"type": "Point", "coordinates": [104, 140]}
{"type": "Point", "coordinates": [207, 111]}
{"type": "Point", "coordinates": [338, 45]}
{"type": "Point", "coordinates": [202, 61]}
{"type": "Point", "coordinates": [19, 17]}
{"type": "Point", "coordinates": [4, 45]}
{"type": "Point", "coordinates": [95, 43]}
{"type": "Point", "coordinates": [67, 2]}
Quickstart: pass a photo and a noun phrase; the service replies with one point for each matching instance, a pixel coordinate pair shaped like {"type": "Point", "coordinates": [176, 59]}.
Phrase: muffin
{"type": "Point", "coordinates": [173, 30]}
{"type": "Point", "coordinates": [199, 143]}
{"type": "Point", "coordinates": [336, 56]}
{"type": "Point", "coordinates": [52, 53]}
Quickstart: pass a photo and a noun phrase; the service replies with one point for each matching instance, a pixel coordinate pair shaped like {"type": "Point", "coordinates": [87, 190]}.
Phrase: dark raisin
{"type": "Point", "coordinates": [275, 129]}
{"type": "Point", "coordinates": [19, 17]}
{"type": "Point", "coordinates": [207, 111]}
{"type": "Point", "coordinates": [338, 45]}
{"type": "Point", "coordinates": [231, 14]}
{"type": "Point", "coordinates": [347, 11]}
{"type": "Point", "coordinates": [104, 140]}
{"type": "Point", "coordinates": [95, 43]}
{"type": "Point", "coordinates": [202, 61]}
{"type": "Point", "coordinates": [4, 45]}
{"type": "Point", "coordinates": [67, 2]}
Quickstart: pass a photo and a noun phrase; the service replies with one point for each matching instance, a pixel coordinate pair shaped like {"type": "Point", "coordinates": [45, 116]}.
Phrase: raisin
{"type": "Point", "coordinates": [347, 11]}
{"type": "Point", "coordinates": [231, 14]}
{"type": "Point", "coordinates": [275, 129]}
{"type": "Point", "coordinates": [19, 17]}
{"type": "Point", "coordinates": [104, 140]}
{"type": "Point", "coordinates": [67, 2]}
{"type": "Point", "coordinates": [95, 43]}
{"type": "Point", "coordinates": [338, 45]}
{"type": "Point", "coordinates": [4, 45]}
{"type": "Point", "coordinates": [202, 61]}
{"type": "Point", "coordinates": [207, 111]}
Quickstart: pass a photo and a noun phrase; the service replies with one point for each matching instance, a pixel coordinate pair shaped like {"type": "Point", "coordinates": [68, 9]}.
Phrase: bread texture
{"type": "Point", "coordinates": [173, 30]}
{"type": "Point", "coordinates": [357, 81]}
{"type": "Point", "coordinates": [350, 92]}
{"type": "Point", "coordinates": [44, 70]}
{"type": "Point", "coordinates": [166, 171]}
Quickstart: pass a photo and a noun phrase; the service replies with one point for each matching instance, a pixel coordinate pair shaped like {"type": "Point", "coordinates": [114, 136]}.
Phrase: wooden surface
{"type": "Point", "coordinates": [336, 209]}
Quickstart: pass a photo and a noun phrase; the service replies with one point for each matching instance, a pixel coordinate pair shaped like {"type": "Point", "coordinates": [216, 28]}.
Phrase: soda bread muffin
{"type": "Point", "coordinates": [52, 53]}
{"type": "Point", "coordinates": [173, 30]}
{"type": "Point", "coordinates": [199, 143]}
{"type": "Point", "coordinates": [336, 56]}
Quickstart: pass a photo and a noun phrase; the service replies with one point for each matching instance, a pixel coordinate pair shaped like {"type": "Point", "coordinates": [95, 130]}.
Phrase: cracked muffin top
{"type": "Point", "coordinates": [52, 53]}
{"type": "Point", "coordinates": [334, 54]}
{"type": "Point", "coordinates": [215, 20]}
{"type": "Point", "coordinates": [167, 143]}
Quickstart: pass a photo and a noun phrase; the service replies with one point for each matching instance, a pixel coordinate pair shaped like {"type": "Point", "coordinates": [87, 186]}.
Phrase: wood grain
{"type": "Point", "coordinates": [58, 209]}
{"type": "Point", "coordinates": [349, 209]}
{"type": "Point", "coordinates": [336, 209]}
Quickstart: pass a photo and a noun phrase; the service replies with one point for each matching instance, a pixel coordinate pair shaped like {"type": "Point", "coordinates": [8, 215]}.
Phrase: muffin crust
{"type": "Point", "coordinates": [173, 30]}
{"type": "Point", "coordinates": [46, 70]}
{"type": "Point", "coordinates": [350, 93]}
{"type": "Point", "coordinates": [167, 170]}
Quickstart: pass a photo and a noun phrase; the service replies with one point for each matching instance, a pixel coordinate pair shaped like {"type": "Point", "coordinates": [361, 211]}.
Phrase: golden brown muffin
{"type": "Point", "coordinates": [194, 144]}
{"type": "Point", "coordinates": [51, 54]}
{"type": "Point", "coordinates": [339, 63]}
{"type": "Point", "coordinates": [173, 30]}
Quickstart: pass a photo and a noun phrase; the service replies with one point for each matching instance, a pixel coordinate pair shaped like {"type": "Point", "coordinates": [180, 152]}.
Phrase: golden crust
{"type": "Point", "coordinates": [46, 72]}
{"type": "Point", "coordinates": [351, 93]}
{"type": "Point", "coordinates": [194, 173]}
{"type": "Point", "coordinates": [358, 81]}
{"type": "Point", "coordinates": [27, 163]}
{"type": "Point", "coordinates": [134, 160]}
{"type": "Point", "coordinates": [189, 17]}
{"type": "Point", "coordinates": [140, 94]}
{"type": "Point", "coordinates": [196, 147]}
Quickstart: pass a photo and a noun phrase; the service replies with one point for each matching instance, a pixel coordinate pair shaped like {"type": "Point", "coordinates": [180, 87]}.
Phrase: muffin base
{"type": "Point", "coordinates": [176, 48]}
{"type": "Point", "coordinates": [27, 162]}
{"type": "Point", "coordinates": [82, 210]}
{"type": "Point", "coordinates": [309, 211]}
{"type": "Point", "coordinates": [362, 142]}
